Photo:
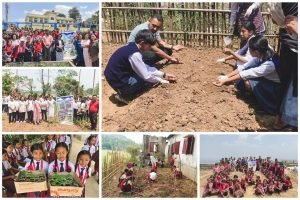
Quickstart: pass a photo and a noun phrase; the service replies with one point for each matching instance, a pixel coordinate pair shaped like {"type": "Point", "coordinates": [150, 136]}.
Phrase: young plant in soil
{"type": "Point", "coordinates": [29, 176]}
{"type": "Point", "coordinates": [63, 180]}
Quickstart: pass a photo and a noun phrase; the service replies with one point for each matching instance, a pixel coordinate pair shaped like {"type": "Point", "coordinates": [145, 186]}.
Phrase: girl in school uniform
{"type": "Point", "coordinates": [37, 164]}
{"type": "Point", "coordinates": [37, 112]}
{"type": "Point", "coordinates": [26, 153]}
{"type": "Point", "coordinates": [243, 55]}
{"type": "Point", "coordinates": [61, 162]}
{"type": "Point", "coordinates": [10, 156]}
{"type": "Point", "coordinates": [259, 76]}
{"type": "Point", "coordinates": [63, 138]}
{"type": "Point", "coordinates": [8, 175]}
{"type": "Point", "coordinates": [11, 110]}
{"type": "Point", "coordinates": [83, 167]}
{"type": "Point", "coordinates": [22, 110]}
{"type": "Point", "coordinates": [49, 147]}
{"type": "Point", "coordinates": [90, 145]}
{"type": "Point", "coordinates": [17, 151]}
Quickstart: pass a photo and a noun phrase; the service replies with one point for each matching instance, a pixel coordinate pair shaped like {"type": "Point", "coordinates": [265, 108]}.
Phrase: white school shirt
{"type": "Point", "coordinates": [83, 106]}
{"type": "Point", "coordinates": [29, 104]}
{"type": "Point", "coordinates": [17, 105]}
{"type": "Point", "coordinates": [25, 152]}
{"type": "Point", "coordinates": [88, 104]}
{"type": "Point", "coordinates": [84, 172]}
{"type": "Point", "coordinates": [153, 176]}
{"type": "Point", "coordinates": [11, 107]}
{"type": "Point", "coordinates": [22, 107]}
{"type": "Point", "coordinates": [50, 104]}
{"type": "Point", "coordinates": [52, 144]}
{"type": "Point", "coordinates": [65, 138]}
{"type": "Point", "coordinates": [44, 104]}
{"type": "Point", "coordinates": [6, 165]}
{"type": "Point", "coordinates": [45, 165]}
{"type": "Point", "coordinates": [91, 149]}
{"type": "Point", "coordinates": [266, 70]}
{"type": "Point", "coordinates": [75, 105]}
{"type": "Point", "coordinates": [52, 164]}
{"type": "Point", "coordinates": [17, 153]}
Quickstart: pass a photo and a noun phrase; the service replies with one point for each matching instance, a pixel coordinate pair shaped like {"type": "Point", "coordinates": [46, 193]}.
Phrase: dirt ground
{"type": "Point", "coordinates": [91, 187]}
{"type": "Point", "coordinates": [165, 186]}
{"type": "Point", "coordinates": [206, 173]}
{"type": "Point", "coordinates": [191, 104]}
{"type": "Point", "coordinates": [42, 127]}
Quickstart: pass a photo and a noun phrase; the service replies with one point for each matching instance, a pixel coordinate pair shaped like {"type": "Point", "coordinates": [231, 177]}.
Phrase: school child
{"type": "Point", "coordinates": [278, 186]}
{"type": "Point", "coordinates": [11, 110]}
{"type": "Point", "coordinates": [22, 110]}
{"type": "Point", "coordinates": [17, 151]}
{"type": "Point", "coordinates": [37, 112]}
{"type": "Point", "coordinates": [243, 55]}
{"type": "Point", "coordinates": [177, 172]}
{"type": "Point", "coordinates": [151, 176]}
{"type": "Point", "coordinates": [271, 187]}
{"type": "Point", "coordinates": [26, 153]}
{"type": "Point", "coordinates": [11, 157]}
{"type": "Point", "coordinates": [259, 76]}
{"type": "Point", "coordinates": [95, 158]}
{"type": "Point", "coordinates": [61, 162]}
{"type": "Point", "coordinates": [17, 105]}
{"type": "Point", "coordinates": [8, 175]}
{"type": "Point", "coordinates": [63, 138]}
{"type": "Point", "coordinates": [259, 189]}
{"type": "Point", "coordinates": [208, 189]}
{"type": "Point", "coordinates": [37, 164]}
{"type": "Point", "coordinates": [172, 160]}
{"type": "Point", "coordinates": [238, 191]}
{"type": "Point", "coordinates": [21, 51]}
{"type": "Point", "coordinates": [38, 48]}
{"type": "Point", "coordinates": [83, 167]}
{"type": "Point", "coordinates": [90, 146]}
{"type": "Point", "coordinates": [224, 189]}
{"type": "Point", "coordinates": [44, 107]}
{"type": "Point", "coordinates": [243, 184]}
{"type": "Point", "coordinates": [29, 108]}
{"type": "Point", "coordinates": [51, 108]}
{"type": "Point", "coordinates": [49, 147]}
{"type": "Point", "coordinates": [125, 181]}
{"type": "Point", "coordinates": [258, 181]}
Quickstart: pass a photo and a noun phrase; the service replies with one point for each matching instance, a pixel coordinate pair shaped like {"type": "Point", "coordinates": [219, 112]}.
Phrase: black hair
{"type": "Point", "coordinates": [158, 17]}
{"type": "Point", "coordinates": [152, 170]}
{"type": "Point", "coordinates": [83, 152]}
{"type": "Point", "coordinates": [249, 26]}
{"type": "Point", "coordinates": [6, 144]}
{"type": "Point", "coordinates": [36, 146]}
{"type": "Point", "coordinates": [145, 36]}
{"type": "Point", "coordinates": [260, 44]}
{"type": "Point", "coordinates": [24, 140]}
{"type": "Point", "coordinates": [90, 138]}
{"type": "Point", "coordinates": [15, 142]}
{"type": "Point", "coordinates": [63, 145]}
{"type": "Point", "coordinates": [4, 151]}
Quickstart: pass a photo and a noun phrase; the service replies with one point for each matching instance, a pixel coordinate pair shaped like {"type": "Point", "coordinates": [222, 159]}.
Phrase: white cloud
{"type": "Point", "coordinates": [63, 9]}
{"type": "Point", "coordinates": [21, 20]}
{"type": "Point", "coordinates": [37, 12]}
{"type": "Point", "coordinates": [83, 7]}
{"type": "Point", "coordinates": [87, 14]}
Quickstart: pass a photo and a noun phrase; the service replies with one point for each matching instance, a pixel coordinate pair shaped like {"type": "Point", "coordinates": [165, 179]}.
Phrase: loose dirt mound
{"type": "Point", "coordinates": [191, 104]}
{"type": "Point", "coordinates": [165, 186]}
{"type": "Point", "coordinates": [206, 173]}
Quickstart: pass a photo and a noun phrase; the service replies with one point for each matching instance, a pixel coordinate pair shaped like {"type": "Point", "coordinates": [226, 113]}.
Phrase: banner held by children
{"type": "Point", "coordinates": [65, 109]}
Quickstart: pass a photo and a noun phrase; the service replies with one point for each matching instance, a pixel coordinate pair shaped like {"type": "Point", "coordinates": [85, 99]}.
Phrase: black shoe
{"type": "Point", "coordinates": [121, 99]}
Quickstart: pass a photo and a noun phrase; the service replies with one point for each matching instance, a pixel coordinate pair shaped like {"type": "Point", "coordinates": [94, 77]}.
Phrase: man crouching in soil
{"type": "Point", "coordinates": [127, 73]}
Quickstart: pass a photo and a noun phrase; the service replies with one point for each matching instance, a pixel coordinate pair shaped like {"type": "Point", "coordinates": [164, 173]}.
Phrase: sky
{"type": "Point", "coordinates": [18, 11]}
{"type": "Point", "coordinates": [86, 77]}
{"type": "Point", "coordinates": [138, 138]}
{"type": "Point", "coordinates": [215, 147]}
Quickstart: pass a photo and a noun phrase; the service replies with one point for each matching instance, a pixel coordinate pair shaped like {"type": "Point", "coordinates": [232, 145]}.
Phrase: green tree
{"type": "Point", "coordinates": [61, 15]}
{"type": "Point", "coordinates": [74, 13]}
{"type": "Point", "coordinates": [65, 83]}
{"type": "Point", "coordinates": [134, 152]}
{"type": "Point", "coordinates": [7, 83]}
{"type": "Point", "coordinates": [94, 19]}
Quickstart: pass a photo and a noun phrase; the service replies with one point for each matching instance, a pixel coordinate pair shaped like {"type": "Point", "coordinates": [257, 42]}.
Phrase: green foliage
{"type": "Point", "coordinates": [32, 138]}
{"type": "Point", "coordinates": [65, 84]}
{"type": "Point", "coordinates": [134, 152]}
{"type": "Point", "coordinates": [94, 18]}
{"type": "Point", "coordinates": [7, 83]}
{"type": "Point", "coordinates": [74, 13]}
{"type": "Point", "coordinates": [116, 142]}
{"type": "Point", "coordinates": [61, 15]}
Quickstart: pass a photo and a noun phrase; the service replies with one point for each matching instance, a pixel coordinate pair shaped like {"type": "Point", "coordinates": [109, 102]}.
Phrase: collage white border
{"type": "Point", "coordinates": [197, 134]}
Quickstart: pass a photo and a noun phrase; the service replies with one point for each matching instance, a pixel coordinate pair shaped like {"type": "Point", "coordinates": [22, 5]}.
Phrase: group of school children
{"type": "Point", "coordinates": [50, 156]}
{"type": "Point", "coordinates": [221, 184]}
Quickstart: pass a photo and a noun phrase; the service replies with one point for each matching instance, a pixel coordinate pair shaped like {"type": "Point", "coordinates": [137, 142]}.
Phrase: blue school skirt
{"type": "Point", "coordinates": [289, 107]}
{"type": "Point", "coordinates": [265, 91]}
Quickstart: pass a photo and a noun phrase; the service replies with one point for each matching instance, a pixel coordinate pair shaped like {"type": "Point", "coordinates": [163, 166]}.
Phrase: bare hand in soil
{"type": "Point", "coordinates": [174, 60]}
{"type": "Point", "coordinates": [218, 83]}
{"type": "Point", "coordinates": [221, 60]}
{"type": "Point", "coordinates": [170, 77]}
{"type": "Point", "coordinates": [227, 51]}
{"type": "Point", "coordinates": [178, 47]}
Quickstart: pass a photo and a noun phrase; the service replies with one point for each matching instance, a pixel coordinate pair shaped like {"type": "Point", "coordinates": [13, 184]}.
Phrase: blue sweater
{"type": "Point", "coordinates": [118, 69]}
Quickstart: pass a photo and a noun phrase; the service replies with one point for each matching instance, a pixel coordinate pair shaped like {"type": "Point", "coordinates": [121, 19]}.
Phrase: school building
{"type": "Point", "coordinates": [185, 149]}
{"type": "Point", "coordinates": [183, 146]}
{"type": "Point", "coordinates": [48, 17]}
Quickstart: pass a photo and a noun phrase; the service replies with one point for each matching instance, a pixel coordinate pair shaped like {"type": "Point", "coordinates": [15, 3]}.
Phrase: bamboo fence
{"type": "Point", "coordinates": [189, 24]}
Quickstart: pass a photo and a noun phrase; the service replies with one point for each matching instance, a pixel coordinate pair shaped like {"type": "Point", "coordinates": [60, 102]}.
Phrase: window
{"type": "Point", "coordinates": [52, 18]}
{"type": "Point", "coordinates": [175, 147]}
{"type": "Point", "coordinates": [153, 147]}
{"type": "Point", "coordinates": [41, 20]}
{"type": "Point", "coordinates": [188, 145]}
{"type": "Point", "coordinates": [35, 20]}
